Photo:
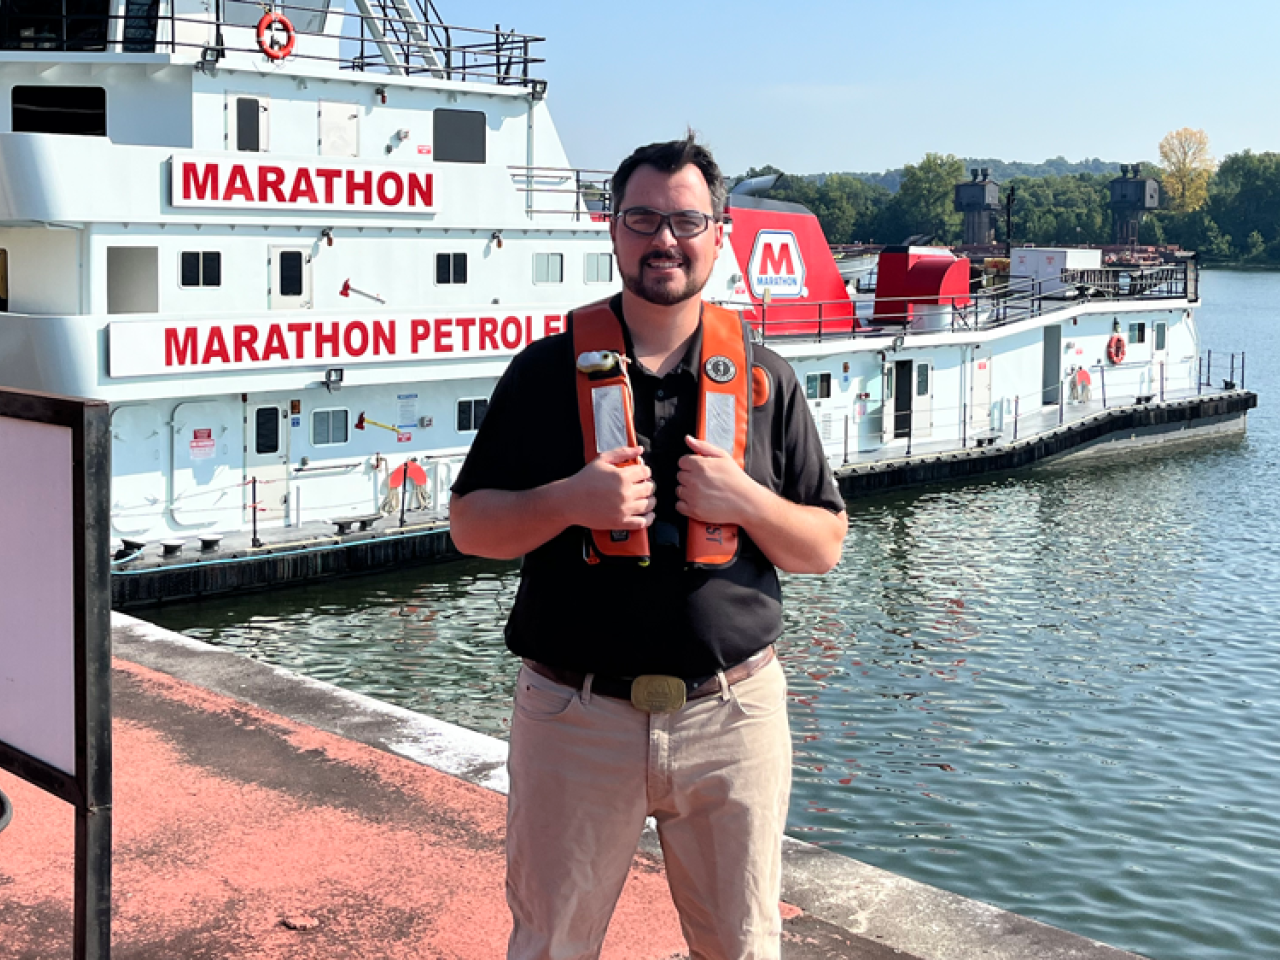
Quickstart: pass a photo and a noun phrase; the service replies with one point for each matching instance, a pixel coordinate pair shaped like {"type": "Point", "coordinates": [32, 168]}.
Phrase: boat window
{"type": "Point", "coordinates": [459, 136]}
{"type": "Point", "coordinates": [451, 268]}
{"type": "Point", "coordinates": [471, 413]}
{"type": "Point", "coordinates": [328, 427]}
{"type": "Point", "coordinates": [248, 124]}
{"type": "Point", "coordinates": [306, 16]}
{"type": "Point", "coordinates": [133, 279]}
{"type": "Point", "coordinates": [548, 268]}
{"type": "Point", "coordinates": [266, 432]}
{"type": "Point", "coordinates": [77, 111]}
{"type": "Point", "coordinates": [817, 386]}
{"type": "Point", "coordinates": [1137, 333]}
{"type": "Point", "coordinates": [201, 268]}
{"type": "Point", "coordinates": [597, 268]}
{"type": "Point", "coordinates": [290, 279]}
{"type": "Point", "coordinates": [291, 284]}
{"type": "Point", "coordinates": [1161, 332]}
{"type": "Point", "coordinates": [922, 379]}
{"type": "Point", "coordinates": [4, 281]}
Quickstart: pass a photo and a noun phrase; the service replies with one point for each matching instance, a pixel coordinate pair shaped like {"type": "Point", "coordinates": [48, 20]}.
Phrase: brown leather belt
{"type": "Point", "coordinates": [629, 688]}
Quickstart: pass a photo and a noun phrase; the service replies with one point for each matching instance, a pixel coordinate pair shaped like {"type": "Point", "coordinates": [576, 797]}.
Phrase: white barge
{"type": "Point", "coordinates": [295, 247]}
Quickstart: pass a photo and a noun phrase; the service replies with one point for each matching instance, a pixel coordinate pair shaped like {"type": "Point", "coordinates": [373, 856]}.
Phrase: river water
{"type": "Point", "coordinates": [1058, 692]}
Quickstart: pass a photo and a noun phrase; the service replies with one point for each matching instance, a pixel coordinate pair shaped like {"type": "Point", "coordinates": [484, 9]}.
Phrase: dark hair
{"type": "Point", "coordinates": [668, 157]}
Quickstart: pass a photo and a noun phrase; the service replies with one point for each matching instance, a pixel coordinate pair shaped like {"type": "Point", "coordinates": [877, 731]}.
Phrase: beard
{"type": "Point", "coordinates": [663, 293]}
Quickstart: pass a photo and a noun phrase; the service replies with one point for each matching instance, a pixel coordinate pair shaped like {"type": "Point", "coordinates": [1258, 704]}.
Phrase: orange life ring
{"type": "Point", "coordinates": [268, 44]}
{"type": "Point", "coordinates": [1115, 349]}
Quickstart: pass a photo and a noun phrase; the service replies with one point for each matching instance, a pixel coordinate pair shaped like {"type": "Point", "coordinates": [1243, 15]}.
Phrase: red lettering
{"type": "Point", "coordinates": [420, 188]}
{"type": "Point", "coordinates": [364, 185]}
{"type": "Point", "coordinates": [215, 348]}
{"type": "Point", "coordinates": [246, 339]}
{"type": "Point", "coordinates": [349, 340]}
{"type": "Point", "coordinates": [331, 338]}
{"type": "Point", "coordinates": [328, 175]}
{"type": "Point", "coordinates": [302, 187]}
{"type": "Point", "coordinates": [776, 261]}
{"type": "Point", "coordinates": [238, 184]}
{"type": "Point", "coordinates": [419, 330]}
{"type": "Point", "coordinates": [384, 337]}
{"type": "Point", "coordinates": [183, 351]}
{"type": "Point", "coordinates": [270, 180]}
{"type": "Point", "coordinates": [552, 323]}
{"type": "Point", "coordinates": [388, 198]}
{"type": "Point", "coordinates": [202, 185]}
{"type": "Point", "coordinates": [299, 330]}
{"type": "Point", "coordinates": [466, 323]}
{"type": "Point", "coordinates": [528, 329]}
{"type": "Point", "coordinates": [275, 344]}
{"type": "Point", "coordinates": [511, 324]}
{"type": "Point", "coordinates": [488, 333]}
{"type": "Point", "coordinates": [444, 333]}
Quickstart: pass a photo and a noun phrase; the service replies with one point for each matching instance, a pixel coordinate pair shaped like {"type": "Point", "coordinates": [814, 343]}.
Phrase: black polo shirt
{"type": "Point", "coordinates": [617, 618]}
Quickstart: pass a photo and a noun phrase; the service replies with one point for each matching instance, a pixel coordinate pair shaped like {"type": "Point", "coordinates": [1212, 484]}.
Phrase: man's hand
{"type": "Point", "coordinates": [710, 485]}
{"type": "Point", "coordinates": [612, 492]}
{"type": "Point", "coordinates": [796, 537]}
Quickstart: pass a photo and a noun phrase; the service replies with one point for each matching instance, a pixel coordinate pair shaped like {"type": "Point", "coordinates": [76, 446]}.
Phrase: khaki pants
{"type": "Point", "coordinates": [585, 772]}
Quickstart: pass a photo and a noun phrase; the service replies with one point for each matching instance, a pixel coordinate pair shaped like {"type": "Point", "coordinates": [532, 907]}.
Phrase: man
{"type": "Point", "coordinates": [649, 685]}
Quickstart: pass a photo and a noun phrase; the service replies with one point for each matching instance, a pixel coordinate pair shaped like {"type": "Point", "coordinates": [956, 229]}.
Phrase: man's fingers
{"type": "Point", "coordinates": [619, 455]}
{"type": "Point", "coordinates": [704, 449]}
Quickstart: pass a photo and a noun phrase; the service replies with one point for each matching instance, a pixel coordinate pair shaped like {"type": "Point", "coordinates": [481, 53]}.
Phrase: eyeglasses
{"type": "Point", "coordinates": [683, 224]}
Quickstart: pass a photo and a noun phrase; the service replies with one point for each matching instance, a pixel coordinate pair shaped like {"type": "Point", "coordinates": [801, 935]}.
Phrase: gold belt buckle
{"type": "Point", "coordinates": [656, 693]}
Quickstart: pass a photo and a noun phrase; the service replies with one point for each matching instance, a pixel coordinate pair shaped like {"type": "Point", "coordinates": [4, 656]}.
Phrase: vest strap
{"type": "Point", "coordinates": [606, 410]}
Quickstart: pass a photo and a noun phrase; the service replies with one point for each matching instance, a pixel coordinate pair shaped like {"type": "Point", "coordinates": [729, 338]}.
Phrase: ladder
{"type": "Point", "coordinates": [400, 35]}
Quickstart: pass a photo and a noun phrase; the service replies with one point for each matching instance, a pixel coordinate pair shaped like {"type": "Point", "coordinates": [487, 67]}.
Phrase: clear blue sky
{"type": "Point", "coordinates": [813, 86]}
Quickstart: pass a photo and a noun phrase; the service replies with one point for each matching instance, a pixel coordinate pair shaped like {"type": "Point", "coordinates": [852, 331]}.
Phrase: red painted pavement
{"type": "Point", "coordinates": [239, 833]}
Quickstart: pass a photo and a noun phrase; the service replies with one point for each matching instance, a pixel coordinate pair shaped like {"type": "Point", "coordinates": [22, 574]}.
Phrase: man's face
{"type": "Point", "coordinates": [664, 269]}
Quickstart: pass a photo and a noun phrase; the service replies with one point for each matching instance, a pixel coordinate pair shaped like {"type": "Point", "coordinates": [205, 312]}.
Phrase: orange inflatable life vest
{"type": "Point", "coordinates": [726, 382]}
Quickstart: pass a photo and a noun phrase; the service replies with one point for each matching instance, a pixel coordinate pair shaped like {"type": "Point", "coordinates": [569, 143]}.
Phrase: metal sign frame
{"type": "Point", "coordinates": [89, 788]}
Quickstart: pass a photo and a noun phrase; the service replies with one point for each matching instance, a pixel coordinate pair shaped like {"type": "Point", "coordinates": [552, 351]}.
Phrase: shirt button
{"type": "Point", "coordinates": [661, 395]}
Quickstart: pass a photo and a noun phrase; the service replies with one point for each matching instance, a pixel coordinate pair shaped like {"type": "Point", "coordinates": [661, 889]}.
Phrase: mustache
{"type": "Point", "coordinates": [671, 254]}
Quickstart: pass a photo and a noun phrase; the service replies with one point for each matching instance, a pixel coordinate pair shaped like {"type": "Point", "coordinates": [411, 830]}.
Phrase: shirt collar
{"type": "Point", "coordinates": [692, 354]}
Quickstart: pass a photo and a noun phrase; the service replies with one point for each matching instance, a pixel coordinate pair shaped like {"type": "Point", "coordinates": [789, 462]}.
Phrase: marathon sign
{"type": "Point", "coordinates": [235, 182]}
{"type": "Point", "coordinates": [148, 348]}
{"type": "Point", "coordinates": [776, 266]}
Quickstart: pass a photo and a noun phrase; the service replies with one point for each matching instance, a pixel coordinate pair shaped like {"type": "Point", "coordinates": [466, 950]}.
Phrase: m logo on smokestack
{"type": "Point", "coordinates": [776, 265]}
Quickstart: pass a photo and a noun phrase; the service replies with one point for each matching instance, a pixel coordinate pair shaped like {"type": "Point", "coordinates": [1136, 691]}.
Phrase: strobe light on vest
{"type": "Point", "coordinates": [598, 361]}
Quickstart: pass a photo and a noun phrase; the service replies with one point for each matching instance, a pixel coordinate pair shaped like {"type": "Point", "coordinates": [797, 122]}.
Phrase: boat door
{"type": "Point", "coordinates": [898, 388]}
{"type": "Point", "coordinates": [980, 414]}
{"type": "Point", "coordinates": [1052, 381]}
{"type": "Point", "coordinates": [922, 404]}
{"type": "Point", "coordinates": [1159, 357]}
{"type": "Point", "coordinates": [886, 402]}
{"type": "Point", "coordinates": [266, 458]}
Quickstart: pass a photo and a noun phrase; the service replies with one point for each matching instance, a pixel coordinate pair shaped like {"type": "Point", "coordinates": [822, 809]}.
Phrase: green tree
{"type": "Point", "coordinates": [1244, 199]}
{"type": "Point", "coordinates": [924, 202]}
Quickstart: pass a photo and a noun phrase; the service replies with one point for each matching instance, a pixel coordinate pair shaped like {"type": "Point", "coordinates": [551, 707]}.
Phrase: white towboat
{"type": "Point", "coordinates": [295, 249]}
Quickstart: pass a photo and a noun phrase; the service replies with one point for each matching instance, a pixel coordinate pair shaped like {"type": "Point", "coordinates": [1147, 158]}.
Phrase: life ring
{"type": "Point", "coordinates": [267, 42]}
{"type": "Point", "coordinates": [1115, 349]}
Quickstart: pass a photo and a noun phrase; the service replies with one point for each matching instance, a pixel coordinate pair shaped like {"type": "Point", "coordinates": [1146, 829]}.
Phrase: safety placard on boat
{"type": "Point", "coordinates": [241, 183]}
{"type": "Point", "coordinates": [141, 348]}
{"type": "Point", "coordinates": [202, 444]}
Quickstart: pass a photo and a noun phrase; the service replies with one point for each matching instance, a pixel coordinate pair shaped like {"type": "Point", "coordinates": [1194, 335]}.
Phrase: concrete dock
{"type": "Point", "coordinates": [263, 814]}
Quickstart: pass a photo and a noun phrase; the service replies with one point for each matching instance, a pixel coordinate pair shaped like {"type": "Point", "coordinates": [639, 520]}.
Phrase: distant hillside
{"type": "Point", "coordinates": [1001, 170]}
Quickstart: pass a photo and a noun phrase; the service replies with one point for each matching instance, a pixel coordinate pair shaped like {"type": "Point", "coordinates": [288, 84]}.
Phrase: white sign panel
{"type": "Point", "coordinates": [776, 266]}
{"type": "Point", "coordinates": [237, 182]}
{"type": "Point", "coordinates": [141, 348]}
{"type": "Point", "coordinates": [37, 593]}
